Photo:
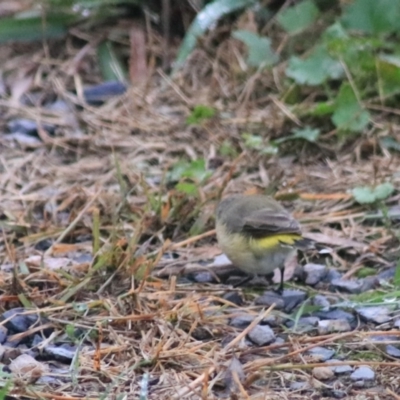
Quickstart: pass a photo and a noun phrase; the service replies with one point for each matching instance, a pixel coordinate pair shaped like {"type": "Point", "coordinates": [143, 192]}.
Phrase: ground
{"type": "Point", "coordinates": [123, 265]}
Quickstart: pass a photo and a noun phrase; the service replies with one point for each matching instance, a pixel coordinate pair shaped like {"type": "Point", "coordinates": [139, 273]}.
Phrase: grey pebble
{"type": "Point", "coordinates": [332, 274]}
{"type": "Point", "coordinates": [340, 369]}
{"type": "Point", "coordinates": [363, 373]}
{"type": "Point", "coordinates": [378, 314]}
{"type": "Point", "coordinates": [336, 313]}
{"type": "Point", "coordinates": [335, 325]}
{"type": "Point", "coordinates": [204, 277]}
{"type": "Point", "coordinates": [304, 324]}
{"type": "Point", "coordinates": [321, 353]}
{"type": "Point", "coordinates": [314, 273]}
{"type": "Point", "coordinates": [261, 335]}
{"type": "Point", "coordinates": [321, 301]}
{"type": "Point", "coordinates": [396, 323]}
{"type": "Point", "coordinates": [349, 286]}
{"type": "Point", "coordinates": [393, 351]}
{"type": "Point", "coordinates": [299, 386]}
{"type": "Point", "coordinates": [241, 321]}
{"type": "Point", "coordinates": [269, 298]}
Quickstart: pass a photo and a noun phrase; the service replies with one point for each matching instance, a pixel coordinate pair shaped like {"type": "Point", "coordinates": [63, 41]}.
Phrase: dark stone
{"type": "Point", "coordinates": [64, 353]}
{"type": "Point", "coordinates": [28, 127]}
{"type": "Point", "coordinates": [335, 314]}
{"type": "Point", "coordinates": [98, 94]}
{"type": "Point", "coordinates": [348, 286]}
{"type": "Point", "coordinates": [241, 321]}
{"type": "Point", "coordinates": [17, 323]}
{"type": "Point", "coordinates": [234, 297]}
{"type": "Point", "coordinates": [304, 324]}
{"type": "Point", "coordinates": [387, 274]}
{"type": "Point", "coordinates": [331, 275]}
{"type": "Point", "coordinates": [340, 369]}
{"type": "Point", "coordinates": [292, 298]}
{"type": "Point", "coordinates": [269, 298]}
{"type": "Point", "coordinates": [392, 351]}
{"type": "Point", "coordinates": [3, 334]}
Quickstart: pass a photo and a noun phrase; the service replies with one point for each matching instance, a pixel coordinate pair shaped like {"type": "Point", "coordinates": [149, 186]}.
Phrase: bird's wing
{"type": "Point", "coordinates": [267, 222]}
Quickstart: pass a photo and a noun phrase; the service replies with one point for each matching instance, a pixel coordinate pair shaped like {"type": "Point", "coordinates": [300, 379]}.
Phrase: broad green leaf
{"type": "Point", "coordinates": [390, 143]}
{"type": "Point", "coordinates": [259, 49]}
{"type": "Point", "coordinates": [371, 16]}
{"type": "Point", "coordinates": [194, 170]}
{"type": "Point", "coordinates": [35, 28]}
{"type": "Point", "coordinates": [111, 67]}
{"type": "Point", "coordinates": [299, 17]}
{"type": "Point", "coordinates": [204, 20]}
{"type": "Point", "coordinates": [388, 67]}
{"type": "Point", "coordinates": [384, 190]}
{"type": "Point", "coordinates": [315, 69]}
{"type": "Point", "coordinates": [186, 187]}
{"type": "Point", "coordinates": [349, 115]}
{"type": "Point", "coordinates": [368, 195]}
{"type": "Point", "coordinates": [364, 195]}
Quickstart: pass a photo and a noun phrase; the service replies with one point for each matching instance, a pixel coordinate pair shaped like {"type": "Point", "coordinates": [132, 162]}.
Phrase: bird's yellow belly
{"type": "Point", "coordinates": [256, 256]}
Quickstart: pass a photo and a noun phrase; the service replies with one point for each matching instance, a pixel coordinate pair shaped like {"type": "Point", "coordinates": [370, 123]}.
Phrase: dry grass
{"type": "Point", "coordinates": [97, 189]}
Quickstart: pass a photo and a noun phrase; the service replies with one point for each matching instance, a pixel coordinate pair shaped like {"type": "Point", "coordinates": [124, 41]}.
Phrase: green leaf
{"type": "Point", "coordinates": [322, 108]}
{"type": "Point", "coordinates": [199, 114]}
{"type": "Point", "coordinates": [35, 28]}
{"type": "Point", "coordinates": [315, 69]}
{"type": "Point", "coordinates": [396, 280]}
{"type": "Point", "coordinates": [390, 143]}
{"type": "Point", "coordinates": [384, 190]}
{"type": "Point", "coordinates": [307, 133]}
{"type": "Point", "coordinates": [205, 19]}
{"type": "Point", "coordinates": [259, 49]}
{"type": "Point", "coordinates": [363, 195]}
{"type": "Point", "coordinates": [195, 170]}
{"type": "Point", "coordinates": [388, 67]}
{"type": "Point", "coordinates": [188, 188]}
{"type": "Point", "coordinates": [366, 271]}
{"type": "Point", "coordinates": [371, 16]}
{"type": "Point", "coordinates": [349, 115]}
{"type": "Point", "coordinates": [311, 135]}
{"type": "Point", "coordinates": [369, 195]}
{"type": "Point", "coordinates": [256, 142]}
{"type": "Point", "coordinates": [111, 66]}
{"type": "Point", "coordinates": [299, 17]}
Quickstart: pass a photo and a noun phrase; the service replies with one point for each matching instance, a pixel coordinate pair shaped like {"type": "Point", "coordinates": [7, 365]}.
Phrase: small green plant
{"type": "Point", "coordinates": [199, 114]}
{"type": "Point", "coordinates": [188, 175]}
{"type": "Point", "coordinates": [370, 195]}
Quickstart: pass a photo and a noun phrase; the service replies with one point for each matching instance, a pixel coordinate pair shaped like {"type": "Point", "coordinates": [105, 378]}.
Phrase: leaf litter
{"type": "Point", "coordinates": [97, 239]}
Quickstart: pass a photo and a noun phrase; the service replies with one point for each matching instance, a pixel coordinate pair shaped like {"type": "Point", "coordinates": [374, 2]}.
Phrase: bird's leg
{"type": "Point", "coordinates": [243, 281]}
{"type": "Point", "coordinates": [280, 287]}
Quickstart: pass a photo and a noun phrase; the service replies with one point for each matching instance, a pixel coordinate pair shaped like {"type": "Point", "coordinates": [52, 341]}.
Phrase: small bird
{"type": "Point", "coordinates": [257, 234]}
